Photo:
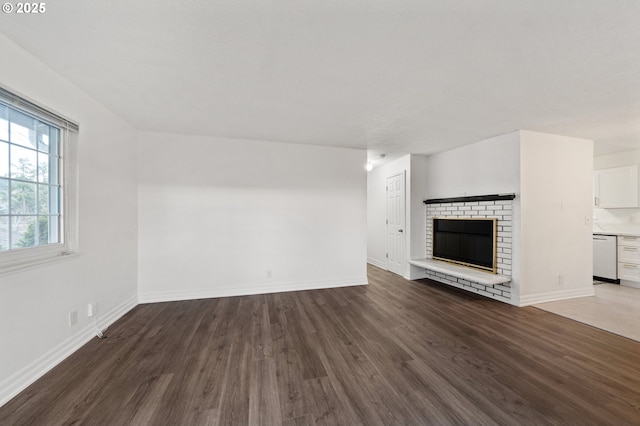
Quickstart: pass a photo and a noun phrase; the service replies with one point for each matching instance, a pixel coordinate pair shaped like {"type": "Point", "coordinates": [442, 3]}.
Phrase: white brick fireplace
{"type": "Point", "coordinates": [499, 209]}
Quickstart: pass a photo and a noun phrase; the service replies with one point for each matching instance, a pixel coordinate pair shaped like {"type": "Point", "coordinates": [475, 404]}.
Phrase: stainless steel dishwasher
{"type": "Point", "coordinates": [605, 258]}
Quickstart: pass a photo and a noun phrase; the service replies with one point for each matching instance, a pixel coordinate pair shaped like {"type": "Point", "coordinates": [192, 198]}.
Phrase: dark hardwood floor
{"type": "Point", "coordinates": [393, 352]}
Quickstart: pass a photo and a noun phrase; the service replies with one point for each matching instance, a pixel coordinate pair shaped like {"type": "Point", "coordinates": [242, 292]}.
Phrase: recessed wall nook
{"type": "Point", "coordinates": [499, 207]}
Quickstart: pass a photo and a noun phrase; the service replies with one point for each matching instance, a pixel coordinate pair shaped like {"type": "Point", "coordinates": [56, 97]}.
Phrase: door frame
{"type": "Point", "coordinates": [403, 173]}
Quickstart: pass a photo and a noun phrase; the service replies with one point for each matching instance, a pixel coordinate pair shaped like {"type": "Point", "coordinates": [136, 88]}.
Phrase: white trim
{"type": "Point", "coordinates": [552, 296]}
{"type": "Point", "coordinates": [28, 106]}
{"type": "Point", "coordinates": [118, 312]}
{"type": "Point", "coordinates": [36, 262]}
{"type": "Point", "coordinates": [379, 263]}
{"type": "Point", "coordinates": [245, 290]}
{"type": "Point", "coordinates": [24, 377]}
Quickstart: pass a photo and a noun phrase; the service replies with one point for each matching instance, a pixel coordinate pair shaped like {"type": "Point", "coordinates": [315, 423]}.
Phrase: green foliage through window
{"type": "Point", "coordinates": [29, 189]}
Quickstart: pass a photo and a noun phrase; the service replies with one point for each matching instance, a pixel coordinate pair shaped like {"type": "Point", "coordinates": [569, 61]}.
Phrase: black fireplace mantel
{"type": "Point", "coordinates": [492, 197]}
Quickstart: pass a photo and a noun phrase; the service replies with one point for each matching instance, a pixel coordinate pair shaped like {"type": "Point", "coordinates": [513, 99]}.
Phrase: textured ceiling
{"type": "Point", "coordinates": [395, 77]}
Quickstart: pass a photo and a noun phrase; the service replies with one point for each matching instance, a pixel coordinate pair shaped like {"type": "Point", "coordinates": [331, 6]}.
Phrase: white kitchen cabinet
{"type": "Point", "coordinates": [616, 187]}
{"type": "Point", "coordinates": [629, 260]}
{"type": "Point", "coordinates": [629, 254]}
{"type": "Point", "coordinates": [629, 272]}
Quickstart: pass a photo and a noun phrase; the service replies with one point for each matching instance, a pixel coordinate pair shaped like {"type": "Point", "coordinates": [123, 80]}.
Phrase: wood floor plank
{"type": "Point", "coordinates": [289, 375]}
{"type": "Point", "coordinates": [305, 346]}
{"type": "Point", "coordinates": [392, 352]}
{"type": "Point", "coordinates": [264, 398]}
{"type": "Point", "coordinates": [234, 401]}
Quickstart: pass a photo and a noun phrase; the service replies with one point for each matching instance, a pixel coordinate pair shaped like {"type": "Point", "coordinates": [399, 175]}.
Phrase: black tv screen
{"type": "Point", "coordinates": [470, 242]}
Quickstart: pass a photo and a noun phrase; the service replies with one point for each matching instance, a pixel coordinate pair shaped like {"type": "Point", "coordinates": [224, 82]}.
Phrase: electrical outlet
{"type": "Point", "coordinates": [268, 273]}
{"type": "Point", "coordinates": [91, 309]}
{"type": "Point", "coordinates": [73, 318]}
{"type": "Point", "coordinates": [560, 279]}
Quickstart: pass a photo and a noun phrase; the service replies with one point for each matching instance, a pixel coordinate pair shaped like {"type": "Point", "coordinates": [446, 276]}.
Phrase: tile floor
{"type": "Point", "coordinates": [614, 308]}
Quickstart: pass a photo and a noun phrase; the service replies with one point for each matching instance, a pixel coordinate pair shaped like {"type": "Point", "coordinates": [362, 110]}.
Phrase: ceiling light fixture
{"type": "Point", "coordinates": [370, 163]}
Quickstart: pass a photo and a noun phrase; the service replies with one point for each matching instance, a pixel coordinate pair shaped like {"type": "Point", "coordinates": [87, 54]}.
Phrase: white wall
{"type": "Point", "coordinates": [216, 214]}
{"type": "Point", "coordinates": [616, 159]}
{"type": "Point", "coordinates": [377, 210]}
{"type": "Point", "coordinates": [418, 216]}
{"type": "Point", "coordinates": [34, 304]}
{"type": "Point", "coordinates": [556, 232]}
{"type": "Point", "coordinates": [630, 218]}
{"type": "Point", "coordinates": [491, 166]}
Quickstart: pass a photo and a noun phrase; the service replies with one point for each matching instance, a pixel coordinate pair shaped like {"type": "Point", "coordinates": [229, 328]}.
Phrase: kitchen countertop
{"type": "Point", "coordinates": [631, 229]}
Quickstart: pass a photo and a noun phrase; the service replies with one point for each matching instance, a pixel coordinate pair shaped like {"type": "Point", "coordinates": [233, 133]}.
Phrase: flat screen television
{"type": "Point", "coordinates": [468, 242]}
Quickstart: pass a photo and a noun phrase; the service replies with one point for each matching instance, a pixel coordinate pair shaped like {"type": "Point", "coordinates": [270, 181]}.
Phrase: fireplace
{"type": "Point", "coordinates": [469, 242]}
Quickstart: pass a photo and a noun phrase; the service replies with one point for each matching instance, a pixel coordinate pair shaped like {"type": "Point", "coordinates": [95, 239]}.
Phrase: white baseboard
{"type": "Point", "coordinates": [375, 262]}
{"type": "Point", "coordinates": [118, 312]}
{"type": "Point", "coordinates": [207, 293]}
{"type": "Point", "coordinates": [24, 377]}
{"type": "Point", "coordinates": [551, 296]}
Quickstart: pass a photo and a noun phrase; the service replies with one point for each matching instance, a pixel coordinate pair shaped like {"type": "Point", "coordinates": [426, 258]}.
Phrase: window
{"type": "Point", "coordinates": [36, 209]}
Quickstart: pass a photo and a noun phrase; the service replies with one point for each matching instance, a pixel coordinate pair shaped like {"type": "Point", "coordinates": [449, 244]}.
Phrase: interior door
{"type": "Point", "coordinates": [395, 223]}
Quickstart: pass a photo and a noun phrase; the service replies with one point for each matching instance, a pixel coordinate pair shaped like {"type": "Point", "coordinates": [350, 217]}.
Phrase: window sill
{"type": "Point", "coordinates": [36, 262]}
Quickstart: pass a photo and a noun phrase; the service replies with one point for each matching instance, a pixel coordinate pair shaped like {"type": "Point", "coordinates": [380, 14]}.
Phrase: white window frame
{"type": "Point", "coordinates": [23, 258]}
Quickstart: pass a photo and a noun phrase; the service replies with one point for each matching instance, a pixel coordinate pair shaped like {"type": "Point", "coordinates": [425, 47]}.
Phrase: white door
{"type": "Point", "coordinates": [395, 223]}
